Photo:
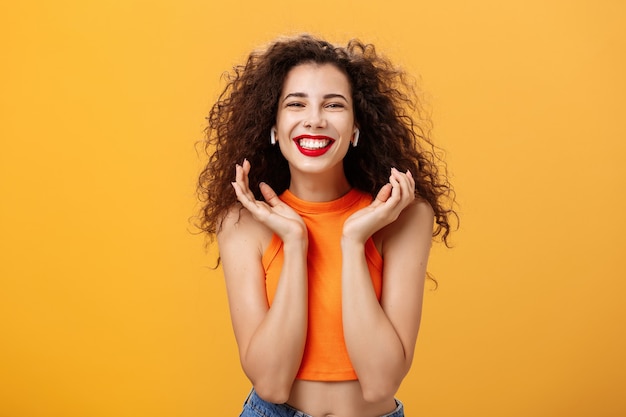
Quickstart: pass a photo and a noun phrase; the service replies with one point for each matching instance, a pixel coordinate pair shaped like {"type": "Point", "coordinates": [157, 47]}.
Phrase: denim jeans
{"type": "Point", "coordinates": [255, 406]}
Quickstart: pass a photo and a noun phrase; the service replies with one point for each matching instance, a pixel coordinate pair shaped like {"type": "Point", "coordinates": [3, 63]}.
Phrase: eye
{"type": "Point", "coordinates": [335, 106]}
{"type": "Point", "coordinates": [294, 104]}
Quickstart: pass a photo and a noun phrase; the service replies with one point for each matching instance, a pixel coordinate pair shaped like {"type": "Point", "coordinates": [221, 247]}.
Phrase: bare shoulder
{"type": "Point", "coordinates": [239, 230]}
{"type": "Point", "coordinates": [414, 224]}
{"type": "Point", "coordinates": [422, 213]}
{"type": "Point", "coordinates": [419, 211]}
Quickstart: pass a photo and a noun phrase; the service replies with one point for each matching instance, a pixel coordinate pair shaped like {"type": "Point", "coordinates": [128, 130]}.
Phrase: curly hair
{"type": "Point", "coordinates": [239, 126]}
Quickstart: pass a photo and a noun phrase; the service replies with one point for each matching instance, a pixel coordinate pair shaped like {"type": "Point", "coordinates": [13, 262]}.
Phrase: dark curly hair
{"type": "Point", "coordinates": [385, 108]}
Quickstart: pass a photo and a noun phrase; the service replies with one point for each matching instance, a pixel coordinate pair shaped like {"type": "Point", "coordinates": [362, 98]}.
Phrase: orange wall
{"type": "Point", "coordinates": [108, 306]}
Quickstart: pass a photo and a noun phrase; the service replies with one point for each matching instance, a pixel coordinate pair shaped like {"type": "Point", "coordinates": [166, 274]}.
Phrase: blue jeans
{"type": "Point", "coordinates": [255, 406]}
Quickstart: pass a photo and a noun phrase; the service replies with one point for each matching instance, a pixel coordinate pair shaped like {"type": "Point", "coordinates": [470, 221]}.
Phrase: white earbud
{"type": "Point", "coordinates": [356, 137]}
{"type": "Point", "coordinates": [273, 136]}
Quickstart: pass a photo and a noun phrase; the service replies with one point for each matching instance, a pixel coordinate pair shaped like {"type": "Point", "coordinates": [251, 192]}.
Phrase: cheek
{"type": "Point", "coordinates": [347, 129]}
{"type": "Point", "coordinates": [343, 121]}
{"type": "Point", "coordinates": [285, 124]}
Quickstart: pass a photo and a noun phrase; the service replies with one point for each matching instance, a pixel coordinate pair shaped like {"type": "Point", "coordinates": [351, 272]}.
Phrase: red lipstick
{"type": "Point", "coordinates": [314, 151]}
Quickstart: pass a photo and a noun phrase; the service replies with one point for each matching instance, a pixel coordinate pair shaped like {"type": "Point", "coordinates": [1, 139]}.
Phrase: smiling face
{"type": "Point", "coordinates": [315, 120]}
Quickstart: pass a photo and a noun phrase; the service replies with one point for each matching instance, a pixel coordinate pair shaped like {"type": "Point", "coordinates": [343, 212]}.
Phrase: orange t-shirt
{"type": "Point", "coordinates": [325, 354]}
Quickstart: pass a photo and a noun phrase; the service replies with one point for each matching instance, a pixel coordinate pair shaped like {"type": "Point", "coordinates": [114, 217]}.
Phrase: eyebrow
{"type": "Point", "coordinates": [326, 96]}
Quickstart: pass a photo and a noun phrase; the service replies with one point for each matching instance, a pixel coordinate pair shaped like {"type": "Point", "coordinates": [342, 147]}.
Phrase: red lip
{"type": "Point", "coordinates": [313, 152]}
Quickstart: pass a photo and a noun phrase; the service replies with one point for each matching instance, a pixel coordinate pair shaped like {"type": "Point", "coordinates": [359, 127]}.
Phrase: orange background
{"type": "Point", "coordinates": [108, 305]}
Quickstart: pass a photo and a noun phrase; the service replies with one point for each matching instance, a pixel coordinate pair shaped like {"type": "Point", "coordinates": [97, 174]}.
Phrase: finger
{"type": "Point", "coordinates": [258, 209]}
{"type": "Point", "coordinates": [384, 193]}
{"type": "Point", "coordinates": [406, 185]}
{"type": "Point", "coordinates": [243, 193]}
{"type": "Point", "coordinates": [241, 196]}
{"type": "Point", "coordinates": [410, 185]}
{"type": "Point", "coordinates": [409, 175]}
{"type": "Point", "coordinates": [246, 171]}
{"type": "Point", "coordinates": [242, 174]}
{"type": "Point", "coordinates": [269, 194]}
{"type": "Point", "coordinates": [242, 181]}
{"type": "Point", "coordinates": [396, 192]}
{"type": "Point", "coordinates": [240, 189]}
{"type": "Point", "coordinates": [244, 198]}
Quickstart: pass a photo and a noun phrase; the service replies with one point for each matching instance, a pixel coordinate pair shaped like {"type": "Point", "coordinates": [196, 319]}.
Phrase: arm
{"type": "Point", "coordinates": [270, 339]}
{"type": "Point", "coordinates": [381, 336]}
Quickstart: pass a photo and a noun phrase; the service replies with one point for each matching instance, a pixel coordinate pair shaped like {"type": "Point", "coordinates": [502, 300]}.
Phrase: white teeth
{"type": "Point", "coordinates": [314, 143]}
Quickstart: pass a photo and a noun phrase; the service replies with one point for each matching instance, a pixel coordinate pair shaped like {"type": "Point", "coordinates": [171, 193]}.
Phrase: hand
{"type": "Point", "coordinates": [273, 213]}
{"type": "Point", "coordinates": [392, 198]}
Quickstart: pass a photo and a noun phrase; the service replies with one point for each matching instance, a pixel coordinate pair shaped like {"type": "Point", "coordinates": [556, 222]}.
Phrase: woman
{"type": "Point", "coordinates": [323, 193]}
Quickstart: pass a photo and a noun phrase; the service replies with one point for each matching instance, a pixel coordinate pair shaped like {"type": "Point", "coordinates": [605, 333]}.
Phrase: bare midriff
{"type": "Point", "coordinates": [336, 399]}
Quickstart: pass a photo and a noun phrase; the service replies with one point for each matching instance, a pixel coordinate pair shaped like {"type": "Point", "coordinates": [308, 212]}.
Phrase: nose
{"type": "Point", "coordinates": [315, 119]}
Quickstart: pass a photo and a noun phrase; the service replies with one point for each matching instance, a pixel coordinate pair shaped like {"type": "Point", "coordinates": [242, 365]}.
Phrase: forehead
{"type": "Point", "coordinates": [312, 78]}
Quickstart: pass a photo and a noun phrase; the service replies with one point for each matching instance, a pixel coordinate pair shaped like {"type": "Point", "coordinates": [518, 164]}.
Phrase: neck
{"type": "Point", "coordinates": [319, 187]}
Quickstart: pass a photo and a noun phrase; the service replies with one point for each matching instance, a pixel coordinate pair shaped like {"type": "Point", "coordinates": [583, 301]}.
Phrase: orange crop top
{"type": "Point", "coordinates": [325, 354]}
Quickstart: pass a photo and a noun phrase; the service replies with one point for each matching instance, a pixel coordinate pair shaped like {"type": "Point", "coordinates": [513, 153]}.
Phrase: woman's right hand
{"type": "Point", "coordinates": [272, 212]}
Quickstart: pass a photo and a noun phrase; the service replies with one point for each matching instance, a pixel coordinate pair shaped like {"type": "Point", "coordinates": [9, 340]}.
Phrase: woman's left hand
{"type": "Point", "coordinates": [392, 198]}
